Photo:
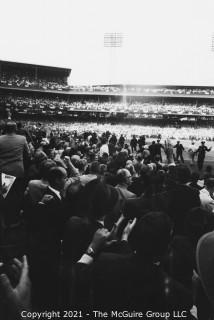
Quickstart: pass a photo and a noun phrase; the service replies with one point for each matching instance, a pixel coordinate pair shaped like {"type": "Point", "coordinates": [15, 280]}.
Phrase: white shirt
{"type": "Point", "coordinates": [207, 202]}
{"type": "Point", "coordinates": [104, 149]}
{"type": "Point", "coordinates": [57, 193]}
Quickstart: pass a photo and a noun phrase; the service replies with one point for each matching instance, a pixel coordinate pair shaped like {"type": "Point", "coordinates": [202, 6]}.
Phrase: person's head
{"type": "Point", "coordinates": [124, 177]}
{"type": "Point", "coordinates": [102, 198]}
{"type": "Point", "coordinates": [157, 158]}
{"type": "Point", "coordinates": [19, 125]}
{"type": "Point", "coordinates": [104, 140]}
{"type": "Point", "coordinates": [183, 174]}
{"type": "Point", "coordinates": [94, 167]}
{"type": "Point", "coordinates": [197, 223]}
{"type": "Point", "coordinates": [39, 157]}
{"type": "Point", "coordinates": [57, 177]}
{"type": "Point", "coordinates": [202, 143]}
{"type": "Point", "coordinates": [10, 127]}
{"type": "Point", "coordinates": [195, 177]}
{"type": "Point", "coordinates": [151, 236]}
{"type": "Point", "coordinates": [45, 166]}
{"type": "Point", "coordinates": [103, 169]}
{"type": "Point", "coordinates": [209, 184]}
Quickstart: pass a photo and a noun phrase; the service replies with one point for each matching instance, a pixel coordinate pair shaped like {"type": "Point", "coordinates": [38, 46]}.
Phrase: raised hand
{"type": "Point", "coordinates": [99, 239]}
{"type": "Point", "coordinates": [127, 230]}
{"type": "Point", "coordinates": [17, 298]}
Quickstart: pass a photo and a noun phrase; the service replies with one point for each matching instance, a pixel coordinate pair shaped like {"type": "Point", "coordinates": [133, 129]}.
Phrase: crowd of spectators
{"type": "Point", "coordinates": [95, 221]}
{"type": "Point", "coordinates": [186, 134]}
{"type": "Point", "coordinates": [30, 82]}
{"type": "Point", "coordinates": [132, 109]}
{"type": "Point", "coordinates": [145, 90]}
{"type": "Point", "coordinates": [26, 80]}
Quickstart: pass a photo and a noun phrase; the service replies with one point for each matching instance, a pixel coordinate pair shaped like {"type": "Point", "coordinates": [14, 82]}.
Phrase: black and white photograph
{"type": "Point", "coordinates": [106, 159]}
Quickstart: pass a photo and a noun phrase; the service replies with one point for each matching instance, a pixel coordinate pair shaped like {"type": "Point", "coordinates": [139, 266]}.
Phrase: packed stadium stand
{"type": "Point", "coordinates": [29, 76]}
{"type": "Point", "coordinates": [33, 91]}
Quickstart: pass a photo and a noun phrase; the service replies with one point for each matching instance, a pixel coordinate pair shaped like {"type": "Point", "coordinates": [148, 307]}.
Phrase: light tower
{"type": "Point", "coordinates": [113, 41]}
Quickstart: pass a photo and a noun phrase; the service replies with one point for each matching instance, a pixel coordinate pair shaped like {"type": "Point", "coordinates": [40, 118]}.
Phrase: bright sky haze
{"type": "Point", "coordinates": [164, 42]}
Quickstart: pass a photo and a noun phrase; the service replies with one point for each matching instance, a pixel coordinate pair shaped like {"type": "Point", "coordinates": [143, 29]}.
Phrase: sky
{"type": "Point", "coordinates": [165, 42]}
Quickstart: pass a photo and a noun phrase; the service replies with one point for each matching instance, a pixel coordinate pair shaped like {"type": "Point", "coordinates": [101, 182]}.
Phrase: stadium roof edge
{"type": "Point", "coordinates": [152, 85]}
{"type": "Point", "coordinates": [66, 70]}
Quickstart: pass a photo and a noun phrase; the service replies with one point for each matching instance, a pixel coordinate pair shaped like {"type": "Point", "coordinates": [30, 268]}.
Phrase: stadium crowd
{"type": "Point", "coordinates": [186, 134]}
{"type": "Point", "coordinates": [156, 109]}
{"type": "Point", "coordinates": [94, 221]}
{"type": "Point", "coordinates": [22, 79]}
{"type": "Point", "coordinates": [27, 81]}
{"type": "Point", "coordinates": [146, 90]}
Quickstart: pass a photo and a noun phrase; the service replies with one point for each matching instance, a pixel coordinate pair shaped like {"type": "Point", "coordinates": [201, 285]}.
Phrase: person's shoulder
{"type": "Point", "coordinates": [3, 137]}
{"type": "Point", "coordinates": [206, 242]}
{"type": "Point", "coordinates": [33, 182]}
{"type": "Point", "coordinates": [113, 262]}
{"type": "Point", "coordinates": [19, 137]}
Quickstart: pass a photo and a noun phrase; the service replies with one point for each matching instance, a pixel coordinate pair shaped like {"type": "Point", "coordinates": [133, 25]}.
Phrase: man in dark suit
{"type": "Point", "coordinates": [201, 155]}
{"type": "Point", "coordinates": [181, 198]}
{"type": "Point", "coordinates": [158, 147]}
{"type": "Point", "coordinates": [100, 200]}
{"type": "Point", "coordinates": [179, 151]}
{"type": "Point", "coordinates": [46, 220]}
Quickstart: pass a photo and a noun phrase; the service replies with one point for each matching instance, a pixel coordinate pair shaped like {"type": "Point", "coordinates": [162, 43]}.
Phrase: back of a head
{"type": "Point", "coordinates": [101, 198]}
{"type": "Point", "coordinates": [54, 175]}
{"type": "Point", "coordinates": [195, 176]}
{"type": "Point", "coordinates": [10, 127]}
{"type": "Point", "coordinates": [183, 174]}
{"type": "Point", "coordinates": [19, 125]}
{"type": "Point", "coordinates": [197, 223]}
{"type": "Point", "coordinates": [151, 236]}
{"type": "Point", "coordinates": [157, 158]}
{"type": "Point", "coordinates": [45, 166]}
{"type": "Point", "coordinates": [40, 156]}
{"type": "Point", "coordinates": [122, 175]}
{"type": "Point", "coordinates": [95, 167]}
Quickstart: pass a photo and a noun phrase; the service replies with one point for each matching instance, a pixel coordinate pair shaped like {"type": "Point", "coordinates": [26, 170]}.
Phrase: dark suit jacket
{"type": "Point", "coordinates": [45, 223]}
{"type": "Point", "coordinates": [78, 234]}
{"type": "Point", "coordinates": [182, 198]}
{"type": "Point", "coordinates": [121, 282]}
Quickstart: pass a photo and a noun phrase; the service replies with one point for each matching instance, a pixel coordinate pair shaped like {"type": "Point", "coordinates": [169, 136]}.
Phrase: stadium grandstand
{"type": "Point", "coordinates": [28, 91]}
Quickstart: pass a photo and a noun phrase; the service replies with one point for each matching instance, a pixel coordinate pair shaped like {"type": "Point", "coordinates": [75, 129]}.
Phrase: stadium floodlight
{"type": "Point", "coordinates": [113, 40]}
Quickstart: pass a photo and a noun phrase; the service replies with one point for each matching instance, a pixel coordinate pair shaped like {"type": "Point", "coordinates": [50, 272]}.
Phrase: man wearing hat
{"type": "Point", "coordinates": [201, 154]}
{"type": "Point", "coordinates": [179, 151]}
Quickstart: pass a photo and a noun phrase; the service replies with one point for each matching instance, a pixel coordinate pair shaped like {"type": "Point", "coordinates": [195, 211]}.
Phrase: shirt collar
{"type": "Point", "coordinates": [57, 193]}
